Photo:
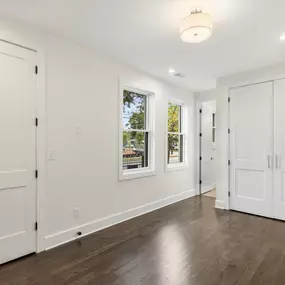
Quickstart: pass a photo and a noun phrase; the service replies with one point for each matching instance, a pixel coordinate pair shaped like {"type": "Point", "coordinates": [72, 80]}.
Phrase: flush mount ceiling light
{"type": "Point", "coordinates": [196, 28]}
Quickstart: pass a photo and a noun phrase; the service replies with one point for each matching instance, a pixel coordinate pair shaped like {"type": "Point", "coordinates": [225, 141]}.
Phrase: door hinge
{"type": "Point", "coordinates": [200, 111]}
{"type": "Point", "coordinates": [229, 162]}
{"type": "Point", "coordinates": [200, 182]}
{"type": "Point", "coordinates": [229, 193]}
{"type": "Point", "coordinates": [229, 99]}
{"type": "Point", "coordinates": [229, 131]}
{"type": "Point", "coordinates": [36, 69]}
{"type": "Point", "coordinates": [200, 134]}
{"type": "Point", "coordinates": [36, 122]}
{"type": "Point", "coordinates": [36, 174]}
{"type": "Point", "coordinates": [200, 157]}
{"type": "Point", "coordinates": [36, 226]}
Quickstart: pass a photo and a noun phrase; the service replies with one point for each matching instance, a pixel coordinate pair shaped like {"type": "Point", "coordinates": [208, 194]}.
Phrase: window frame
{"type": "Point", "coordinates": [149, 128]}
{"type": "Point", "coordinates": [183, 123]}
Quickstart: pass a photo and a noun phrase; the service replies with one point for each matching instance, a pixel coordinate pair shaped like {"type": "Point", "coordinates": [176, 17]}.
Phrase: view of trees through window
{"type": "Point", "coordinates": [213, 127]}
{"type": "Point", "coordinates": [135, 134]}
{"type": "Point", "coordinates": [175, 135]}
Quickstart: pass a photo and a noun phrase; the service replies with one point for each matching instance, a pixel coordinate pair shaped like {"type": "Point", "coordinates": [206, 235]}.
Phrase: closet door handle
{"type": "Point", "coordinates": [269, 161]}
{"type": "Point", "coordinates": [276, 161]}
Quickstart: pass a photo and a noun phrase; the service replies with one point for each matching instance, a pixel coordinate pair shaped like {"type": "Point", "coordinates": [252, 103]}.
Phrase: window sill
{"type": "Point", "coordinates": [176, 167]}
{"type": "Point", "coordinates": [134, 174]}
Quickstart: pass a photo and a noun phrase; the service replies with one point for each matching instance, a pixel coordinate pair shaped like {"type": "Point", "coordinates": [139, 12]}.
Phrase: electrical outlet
{"type": "Point", "coordinates": [76, 213]}
{"type": "Point", "coordinates": [78, 130]}
{"type": "Point", "coordinates": [51, 154]}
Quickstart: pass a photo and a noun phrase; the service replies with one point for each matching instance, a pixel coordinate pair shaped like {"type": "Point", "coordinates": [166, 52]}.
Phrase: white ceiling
{"type": "Point", "coordinates": [145, 33]}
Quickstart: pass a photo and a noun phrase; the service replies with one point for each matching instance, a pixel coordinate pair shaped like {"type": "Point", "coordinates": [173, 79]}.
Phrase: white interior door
{"type": "Point", "coordinates": [17, 152]}
{"type": "Point", "coordinates": [251, 149]}
{"type": "Point", "coordinates": [279, 147]}
{"type": "Point", "coordinates": [208, 146]}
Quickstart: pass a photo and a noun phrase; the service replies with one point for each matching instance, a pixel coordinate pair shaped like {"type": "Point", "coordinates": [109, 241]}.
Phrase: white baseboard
{"type": "Point", "coordinates": [220, 204]}
{"type": "Point", "coordinates": [62, 237]}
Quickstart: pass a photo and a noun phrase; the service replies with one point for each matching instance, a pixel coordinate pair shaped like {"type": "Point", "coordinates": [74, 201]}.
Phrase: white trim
{"type": "Point", "coordinates": [198, 144]}
{"type": "Point", "coordinates": [184, 115]}
{"type": "Point", "coordinates": [176, 167]}
{"type": "Point", "coordinates": [175, 101]}
{"type": "Point", "coordinates": [41, 146]}
{"type": "Point", "coordinates": [173, 133]}
{"type": "Point", "coordinates": [62, 237]}
{"type": "Point", "coordinates": [134, 174]}
{"type": "Point", "coordinates": [220, 204]}
{"type": "Point", "coordinates": [148, 171]}
{"type": "Point", "coordinates": [136, 130]}
{"type": "Point", "coordinates": [255, 76]}
{"type": "Point", "coordinates": [228, 199]}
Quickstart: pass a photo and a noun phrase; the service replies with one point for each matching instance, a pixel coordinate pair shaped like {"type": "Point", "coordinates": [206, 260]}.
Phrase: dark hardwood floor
{"type": "Point", "coordinates": [186, 243]}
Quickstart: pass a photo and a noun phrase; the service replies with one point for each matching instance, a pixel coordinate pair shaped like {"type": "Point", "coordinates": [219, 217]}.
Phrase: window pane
{"type": "Point", "coordinates": [214, 135]}
{"type": "Point", "coordinates": [181, 148]}
{"type": "Point", "coordinates": [134, 111]}
{"type": "Point", "coordinates": [135, 150]}
{"type": "Point", "coordinates": [174, 118]}
{"type": "Point", "coordinates": [175, 148]}
{"type": "Point", "coordinates": [214, 119]}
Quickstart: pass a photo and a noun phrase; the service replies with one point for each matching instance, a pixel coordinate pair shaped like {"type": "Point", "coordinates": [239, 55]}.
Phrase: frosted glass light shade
{"type": "Point", "coordinates": [196, 28]}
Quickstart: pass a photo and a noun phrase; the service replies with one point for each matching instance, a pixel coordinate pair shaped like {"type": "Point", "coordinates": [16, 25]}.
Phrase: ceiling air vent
{"type": "Point", "coordinates": [179, 75]}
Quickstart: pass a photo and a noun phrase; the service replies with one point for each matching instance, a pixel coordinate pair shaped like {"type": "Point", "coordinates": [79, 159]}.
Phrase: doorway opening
{"type": "Point", "coordinates": [207, 142]}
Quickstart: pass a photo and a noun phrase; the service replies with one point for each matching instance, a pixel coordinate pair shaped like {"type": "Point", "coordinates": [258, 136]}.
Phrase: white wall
{"type": "Point", "coordinates": [82, 91]}
{"type": "Point", "coordinates": [206, 96]}
{"type": "Point", "coordinates": [223, 86]}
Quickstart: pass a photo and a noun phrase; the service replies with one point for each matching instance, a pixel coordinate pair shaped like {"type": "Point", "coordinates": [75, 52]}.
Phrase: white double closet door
{"type": "Point", "coordinates": [257, 149]}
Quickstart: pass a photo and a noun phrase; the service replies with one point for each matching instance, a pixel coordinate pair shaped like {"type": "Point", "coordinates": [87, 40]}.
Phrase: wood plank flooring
{"type": "Point", "coordinates": [187, 243]}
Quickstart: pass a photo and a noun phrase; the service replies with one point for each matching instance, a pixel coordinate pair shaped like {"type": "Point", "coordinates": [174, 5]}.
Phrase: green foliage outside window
{"type": "Point", "coordinates": [174, 113]}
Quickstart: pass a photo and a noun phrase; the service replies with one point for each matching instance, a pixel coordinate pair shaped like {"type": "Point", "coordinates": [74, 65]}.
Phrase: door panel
{"type": "Point", "coordinates": [251, 143]}
{"type": "Point", "coordinates": [17, 152]}
{"type": "Point", "coordinates": [208, 171]}
{"type": "Point", "coordinates": [279, 146]}
{"type": "Point", "coordinates": [252, 179]}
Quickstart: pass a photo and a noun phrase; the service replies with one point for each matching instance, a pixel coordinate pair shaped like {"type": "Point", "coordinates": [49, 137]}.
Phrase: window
{"type": "Point", "coordinates": [175, 135]}
{"type": "Point", "coordinates": [213, 127]}
{"type": "Point", "coordinates": [136, 143]}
